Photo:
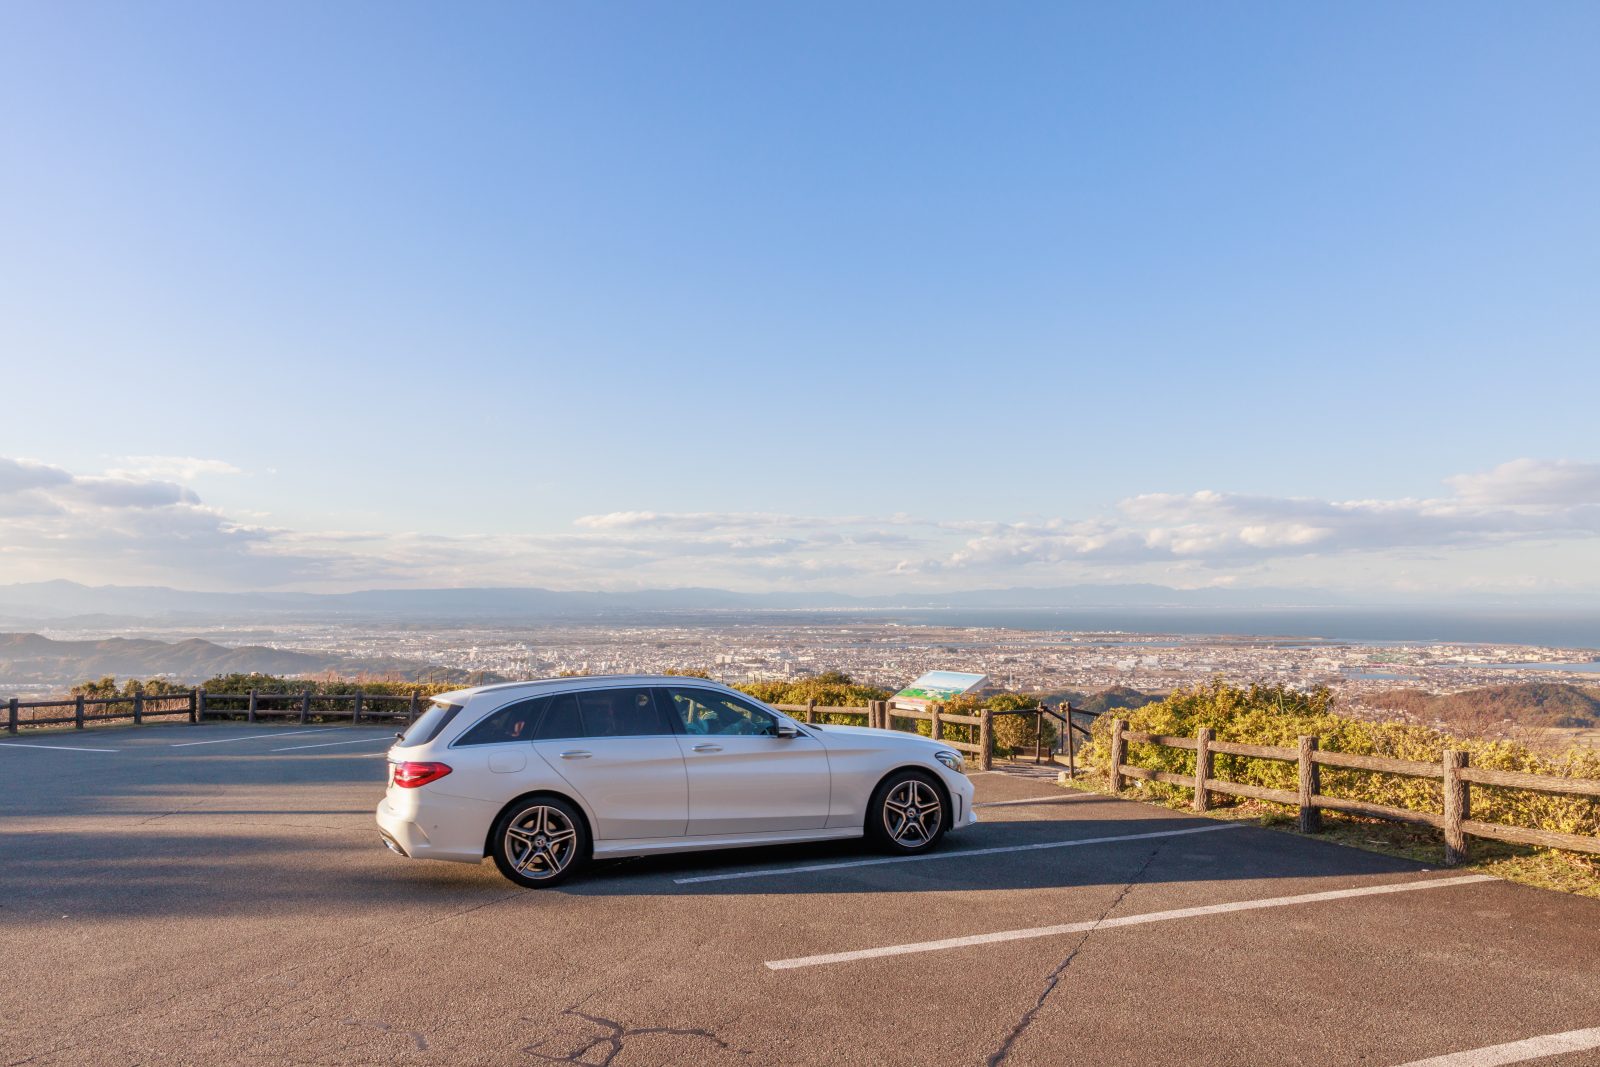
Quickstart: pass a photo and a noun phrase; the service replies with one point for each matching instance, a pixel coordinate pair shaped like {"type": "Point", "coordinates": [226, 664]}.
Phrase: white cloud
{"type": "Point", "coordinates": [1532, 482]}
{"type": "Point", "coordinates": [19, 475]}
{"type": "Point", "coordinates": [127, 528]}
{"type": "Point", "coordinates": [129, 493]}
{"type": "Point", "coordinates": [169, 468]}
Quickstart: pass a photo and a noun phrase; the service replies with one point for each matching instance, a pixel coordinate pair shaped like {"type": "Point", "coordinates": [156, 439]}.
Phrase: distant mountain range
{"type": "Point", "coordinates": [27, 658]}
{"type": "Point", "coordinates": [113, 605]}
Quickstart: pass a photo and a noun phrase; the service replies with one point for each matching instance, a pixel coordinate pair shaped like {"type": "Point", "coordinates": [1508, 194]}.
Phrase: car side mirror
{"type": "Point", "coordinates": [787, 729]}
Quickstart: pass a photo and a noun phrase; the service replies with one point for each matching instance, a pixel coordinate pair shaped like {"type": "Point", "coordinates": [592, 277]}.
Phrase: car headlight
{"type": "Point", "coordinates": [950, 759]}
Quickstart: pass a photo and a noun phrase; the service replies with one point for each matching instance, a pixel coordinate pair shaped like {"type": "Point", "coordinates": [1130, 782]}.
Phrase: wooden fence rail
{"type": "Point", "coordinates": [879, 714]}
{"type": "Point", "coordinates": [1453, 771]}
{"type": "Point", "coordinates": [197, 704]}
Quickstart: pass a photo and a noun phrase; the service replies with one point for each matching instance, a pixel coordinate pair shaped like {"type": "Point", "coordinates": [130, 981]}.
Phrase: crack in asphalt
{"type": "Point", "coordinates": [416, 1037]}
{"type": "Point", "coordinates": [613, 1039]}
{"type": "Point", "coordinates": [1054, 977]}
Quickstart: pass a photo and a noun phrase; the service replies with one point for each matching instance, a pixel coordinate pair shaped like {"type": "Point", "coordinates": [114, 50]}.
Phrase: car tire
{"type": "Point", "coordinates": [538, 842]}
{"type": "Point", "coordinates": [908, 813]}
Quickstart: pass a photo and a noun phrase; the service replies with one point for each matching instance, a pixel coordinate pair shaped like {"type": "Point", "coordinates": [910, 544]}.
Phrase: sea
{"type": "Point", "coordinates": [1575, 630]}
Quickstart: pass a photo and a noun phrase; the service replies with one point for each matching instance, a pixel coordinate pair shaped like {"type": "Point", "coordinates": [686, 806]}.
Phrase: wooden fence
{"type": "Point", "coordinates": [198, 704]}
{"type": "Point", "coordinates": [879, 714]}
{"type": "Point", "coordinates": [1452, 770]}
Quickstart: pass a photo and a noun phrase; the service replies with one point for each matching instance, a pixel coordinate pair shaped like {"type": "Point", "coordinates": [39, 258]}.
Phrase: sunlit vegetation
{"type": "Point", "coordinates": [1275, 715]}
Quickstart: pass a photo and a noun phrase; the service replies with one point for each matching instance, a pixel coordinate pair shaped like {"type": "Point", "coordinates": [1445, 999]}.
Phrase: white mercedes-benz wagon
{"type": "Point", "coordinates": [542, 776]}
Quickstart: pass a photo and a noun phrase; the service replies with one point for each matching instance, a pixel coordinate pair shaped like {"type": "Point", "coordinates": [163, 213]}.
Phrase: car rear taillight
{"type": "Point", "coordinates": [410, 774]}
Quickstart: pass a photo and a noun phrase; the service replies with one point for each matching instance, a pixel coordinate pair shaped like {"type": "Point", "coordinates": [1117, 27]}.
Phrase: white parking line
{"type": "Point", "coordinates": [387, 739]}
{"type": "Point", "coordinates": [1038, 800]}
{"type": "Point", "coordinates": [1516, 1051]}
{"type": "Point", "coordinates": [952, 855]}
{"type": "Point", "coordinates": [246, 737]}
{"type": "Point", "coordinates": [1123, 920]}
{"type": "Point", "coordinates": [58, 748]}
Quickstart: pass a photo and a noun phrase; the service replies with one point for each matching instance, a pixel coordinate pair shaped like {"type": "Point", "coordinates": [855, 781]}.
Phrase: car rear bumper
{"type": "Point", "coordinates": [412, 839]}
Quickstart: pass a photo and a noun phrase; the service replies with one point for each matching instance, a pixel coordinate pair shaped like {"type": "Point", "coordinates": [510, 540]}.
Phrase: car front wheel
{"type": "Point", "coordinates": [538, 842]}
{"type": "Point", "coordinates": [908, 813]}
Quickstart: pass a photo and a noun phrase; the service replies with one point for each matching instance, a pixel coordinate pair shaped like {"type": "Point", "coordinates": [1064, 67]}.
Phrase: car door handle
{"type": "Point", "coordinates": [576, 753]}
{"type": "Point", "coordinates": [708, 748]}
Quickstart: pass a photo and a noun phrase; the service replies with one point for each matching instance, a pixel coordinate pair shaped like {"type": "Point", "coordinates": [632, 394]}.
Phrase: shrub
{"type": "Point", "coordinates": [831, 689]}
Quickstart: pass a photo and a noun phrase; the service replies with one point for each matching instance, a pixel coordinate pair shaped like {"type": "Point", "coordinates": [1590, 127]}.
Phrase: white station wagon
{"type": "Point", "coordinates": [542, 776]}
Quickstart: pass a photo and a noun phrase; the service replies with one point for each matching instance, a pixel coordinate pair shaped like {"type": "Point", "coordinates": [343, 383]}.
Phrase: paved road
{"type": "Point", "coordinates": [217, 895]}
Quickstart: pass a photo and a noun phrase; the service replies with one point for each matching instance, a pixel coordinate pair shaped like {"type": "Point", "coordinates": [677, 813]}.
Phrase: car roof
{"type": "Point", "coordinates": [578, 681]}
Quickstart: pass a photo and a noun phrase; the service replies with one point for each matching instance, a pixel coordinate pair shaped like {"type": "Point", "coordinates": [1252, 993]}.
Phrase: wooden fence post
{"type": "Point", "coordinates": [77, 715]}
{"type": "Point", "coordinates": [1310, 786]}
{"type": "Point", "coordinates": [1072, 754]}
{"type": "Point", "coordinates": [138, 706]}
{"type": "Point", "coordinates": [305, 707]}
{"type": "Point", "coordinates": [11, 716]}
{"type": "Point", "coordinates": [1119, 752]}
{"type": "Point", "coordinates": [935, 724]}
{"type": "Point", "coordinates": [250, 715]}
{"type": "Point", "coordinates": [811, 712]}
{"type": "Point", "coordinates": [985, 740]}
{"type": "Point", "coordinates": [411, 713]}
{"type": "Point", "coordinates": [197, 705]}
{"type": "Point", "coordinates": [1202, 768]}
{"type": "Point", "coordinates": [1457, 807]}
{"type": "Point", "coordinates": [355, 717]}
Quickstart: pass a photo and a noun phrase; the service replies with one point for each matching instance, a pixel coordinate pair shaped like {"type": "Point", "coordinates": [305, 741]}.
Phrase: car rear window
{"type": "Point", "coordinates": [428, 725]}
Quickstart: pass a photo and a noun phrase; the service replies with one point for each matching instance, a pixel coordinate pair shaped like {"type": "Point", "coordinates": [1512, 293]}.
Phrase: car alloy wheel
{"type": "Point", "coordinates": [912, 813]}
{"type": "Point", "coordinates": [908, 813]}
{"type": "Point", "coordinates": [540, 842]}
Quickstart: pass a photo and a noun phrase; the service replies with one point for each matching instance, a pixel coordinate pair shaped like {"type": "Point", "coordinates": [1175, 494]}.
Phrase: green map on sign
{"type": "Point", "coordinates": [937, 686]}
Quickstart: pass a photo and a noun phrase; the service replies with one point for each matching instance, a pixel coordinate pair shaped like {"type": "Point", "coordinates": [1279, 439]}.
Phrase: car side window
{"type": "Point", "coordinates": [704, 711]}
{"type": "Point", "coordinates": [514, 722]}
{"type": "Point", "coordinates": [627, 712]}
{"type": "Point", "coordinates": [561, 719]}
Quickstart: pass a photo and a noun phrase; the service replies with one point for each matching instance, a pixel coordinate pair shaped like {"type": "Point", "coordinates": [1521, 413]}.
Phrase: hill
{"type": "Point", "coordinates": [1524, 703]}
{"type": "Point", "coordinates": [61, 600]}
{"type": "Point", "coordinates": [29, 659]}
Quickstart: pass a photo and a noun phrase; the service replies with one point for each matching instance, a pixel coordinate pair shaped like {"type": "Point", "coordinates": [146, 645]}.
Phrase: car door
{"type": "Point", "coordinates": [743, 777]}
{"type": "Point", "coordinates": [620, 754]}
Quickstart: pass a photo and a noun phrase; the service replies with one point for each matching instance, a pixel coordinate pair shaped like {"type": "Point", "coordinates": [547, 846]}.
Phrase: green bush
{"type": "Point", "coordinates": [829, 689]}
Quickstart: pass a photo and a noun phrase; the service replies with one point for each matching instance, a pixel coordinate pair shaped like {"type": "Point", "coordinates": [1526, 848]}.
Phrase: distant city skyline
{"type": "Point", "coordinates": [882, 299]}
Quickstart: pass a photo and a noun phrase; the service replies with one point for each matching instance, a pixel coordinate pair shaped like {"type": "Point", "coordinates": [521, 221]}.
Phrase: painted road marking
{"type": "Point", "coordinates": [1038, 800]}
{"type": "Point", "coordinates": [1124, 920]}
{"type": "Point", "coordinates": [1206, 829]}
{"type": "Point", "coordinates": [1517, 1051]}
{"type": "Point", "coordinates": [58, 748]}
{"type": "Point", "coordinates": [246, 737]}
{"type": "Point", "coordinates": [387, 739]}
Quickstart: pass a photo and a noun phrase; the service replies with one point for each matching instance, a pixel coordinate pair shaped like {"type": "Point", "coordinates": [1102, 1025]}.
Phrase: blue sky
{"type": "Point", "coordinates": [866, 296]}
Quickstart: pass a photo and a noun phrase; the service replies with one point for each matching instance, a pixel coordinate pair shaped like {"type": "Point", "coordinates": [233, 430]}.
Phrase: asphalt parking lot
{"type": "Point", "coordinates": [217, 894]}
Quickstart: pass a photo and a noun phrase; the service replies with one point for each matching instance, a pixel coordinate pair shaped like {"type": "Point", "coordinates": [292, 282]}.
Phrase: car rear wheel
{"type": "Point", "coordinates": [538, 842]}
{"type": "Point", "coordinates": [908, 813]}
